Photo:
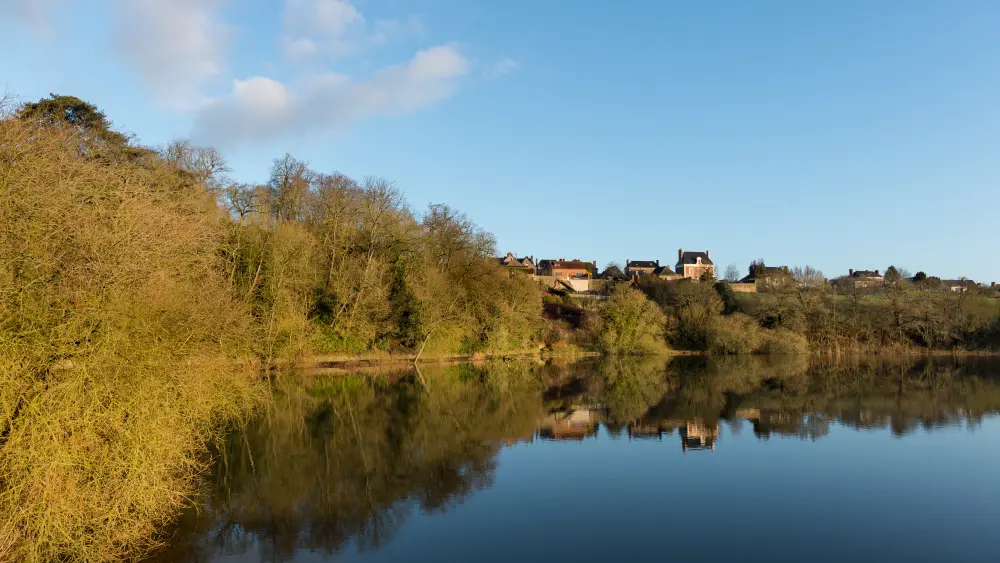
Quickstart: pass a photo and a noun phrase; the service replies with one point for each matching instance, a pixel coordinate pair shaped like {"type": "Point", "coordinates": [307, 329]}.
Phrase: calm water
{"type": "Point", "coordinates": [695, 460]}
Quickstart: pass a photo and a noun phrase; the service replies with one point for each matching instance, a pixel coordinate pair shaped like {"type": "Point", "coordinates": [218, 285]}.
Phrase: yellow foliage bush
{"type": "Point", "coordinates": [121, 347]}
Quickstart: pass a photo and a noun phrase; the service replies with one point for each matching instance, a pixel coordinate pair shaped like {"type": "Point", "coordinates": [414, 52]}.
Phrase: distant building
{"type": "Point", "coordinates": [567, 269]}
{"type": "Point", "coordinates": [638, 268]}
{"type": "Point", "coordinates": [693, 265]}
{"type": "Point", "coordinates": [860, 279]}
{"type": "Point", "coordinates": [576, 424]}
{"type": "Point", "coordinates": [960, 285]}
{"type": "Point", "coordinates": [635, 268]}
{"type": "Point", "coordinates": [665, 273]}
{"type": "Point", "coordinates": [513, 263]}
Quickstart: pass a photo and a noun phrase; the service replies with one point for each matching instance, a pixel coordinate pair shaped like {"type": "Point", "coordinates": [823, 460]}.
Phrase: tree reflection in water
{"type": "Point", "coordinates": [341, 461]}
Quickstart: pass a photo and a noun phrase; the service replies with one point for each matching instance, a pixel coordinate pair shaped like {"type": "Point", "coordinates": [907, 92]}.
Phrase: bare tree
{"type": "Point", "coordinates": [243, 200]}
{"type": "Point", "coordinates": [808, 276]}
{"type": "Point", "coordinates": [732, 273]}
{"type": "Point", "coordinates": [205, 164]}
{"type": "Point", "coordinates": [289, 186]}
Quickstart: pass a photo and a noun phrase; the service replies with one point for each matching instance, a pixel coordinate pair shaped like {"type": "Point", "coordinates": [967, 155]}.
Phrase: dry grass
{"type": "Point", "coordinates": [121, 350]}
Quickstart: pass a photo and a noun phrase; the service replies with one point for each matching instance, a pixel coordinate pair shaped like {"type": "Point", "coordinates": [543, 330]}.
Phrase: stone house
{"type": "Point", "coordinates": [693, 265]}
{"type": "Point", "coordinates": [960, 285]}
{"type": "Point", "coordinates": [515, 264]}
{"type": "Point", "coordinates": [635, 268]}
{"type": "Point", "coordinates": [567, 269]}
{"type": "Point", "coordinates": [862, 279]}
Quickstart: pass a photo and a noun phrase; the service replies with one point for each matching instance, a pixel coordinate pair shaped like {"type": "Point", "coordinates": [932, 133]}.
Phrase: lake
{"type": "Point", "coordinates": [690, 459]}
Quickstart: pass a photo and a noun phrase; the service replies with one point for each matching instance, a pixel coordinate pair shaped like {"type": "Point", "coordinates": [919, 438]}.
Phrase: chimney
{"type": "Point", "coordinates": [657, 263]}
{"type": "Point", "coordinates": [850, 272]}
{"type": "Point", "coordinates": [627, 262]}
{"type": "Point", "coordinates": [877, 274]}
{"type": "Point", "coordinates": [993, 284]}
{"type": "Point", "coordinates": [708, 254]}
{"type": "Point", "coordinates": [680, 254]}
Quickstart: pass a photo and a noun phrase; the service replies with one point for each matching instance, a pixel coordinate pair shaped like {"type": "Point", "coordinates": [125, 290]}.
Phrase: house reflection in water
{"type": "Point", "coordinates": [695, 433]}
{"type": "Point", "coordinates": [576, 423]}
{"type": "Point", "coordinates": [784, 423]}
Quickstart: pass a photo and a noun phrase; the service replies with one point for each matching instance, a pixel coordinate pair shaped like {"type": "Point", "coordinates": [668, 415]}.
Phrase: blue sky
{"type": "Point", "coordinates": [850, 134]}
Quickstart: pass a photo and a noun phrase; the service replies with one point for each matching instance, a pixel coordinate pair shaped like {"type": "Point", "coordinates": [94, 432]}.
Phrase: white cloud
{"type": "Point", "coordinates": [260, 109]}
{"type": "Point", "coordinates": [178, 51]}
{"type": "Point", "coordinates": [174, 46]}
{"type": "Point", "coordinates": [503, 67]}
{"type": "Point", "coordinates": [33, 13]}
{"type": "Point", "coordinates": [335, 28]}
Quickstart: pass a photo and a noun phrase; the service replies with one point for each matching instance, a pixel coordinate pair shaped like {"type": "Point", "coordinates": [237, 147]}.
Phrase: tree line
{"type": "Point", "coordinates": [797, 309]}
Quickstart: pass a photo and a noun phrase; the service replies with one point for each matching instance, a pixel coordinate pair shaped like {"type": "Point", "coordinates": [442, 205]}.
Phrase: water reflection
{"type": "Point", "coordinates": [340, 464]}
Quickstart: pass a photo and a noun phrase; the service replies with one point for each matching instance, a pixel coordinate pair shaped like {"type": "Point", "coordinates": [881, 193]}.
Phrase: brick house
{"type": "Point", "coordinates": [567, 269]}
{"type": "Point", "coordinates": [693, 265]}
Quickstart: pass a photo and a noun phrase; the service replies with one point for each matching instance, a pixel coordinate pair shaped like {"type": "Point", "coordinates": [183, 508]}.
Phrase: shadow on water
{"type": "Point", "coordinates": [343, 462]}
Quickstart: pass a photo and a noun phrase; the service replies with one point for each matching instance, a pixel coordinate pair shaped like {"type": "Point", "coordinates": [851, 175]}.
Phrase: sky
{"type": "Point", "coordinates": [850, 134]}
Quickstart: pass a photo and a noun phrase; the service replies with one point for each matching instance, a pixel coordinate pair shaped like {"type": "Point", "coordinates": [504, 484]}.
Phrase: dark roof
{"type": "Point", "coordinates": [688, 257]}
{"type": "Point", "coordinates": [641, 264]}
{"type": "Point", "coordinates": [959, 283]}
{"type": "Point", "coordinates": [663, 271]}
{"type": "Point", "coordinates": [567, 264]}
{"type": "Point", "coordinates": [866, 274]}
{"type": "Point", "coordinates": [606, 275]}
{"type": "Point", "coordinates": [512, 261]}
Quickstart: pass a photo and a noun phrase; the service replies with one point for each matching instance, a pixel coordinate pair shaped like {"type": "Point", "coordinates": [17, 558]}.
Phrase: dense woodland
{"type": "Point", "coordinates": [144, 296]}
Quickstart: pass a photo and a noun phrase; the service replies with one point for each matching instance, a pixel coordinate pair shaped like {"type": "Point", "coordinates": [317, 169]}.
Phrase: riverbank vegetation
{"type": "Point", "coordinates": [792, 319]}
{"type": "Point", "coordinates": [143, 295]}
{"type": "Point", "coordinates": [121, 346]}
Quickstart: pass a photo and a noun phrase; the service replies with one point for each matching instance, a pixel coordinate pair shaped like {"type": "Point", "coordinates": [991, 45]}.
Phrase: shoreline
{"type": "Point", "coordinates": [333, 364]}
{"type": "Point", "coordinates": [319, 364]}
